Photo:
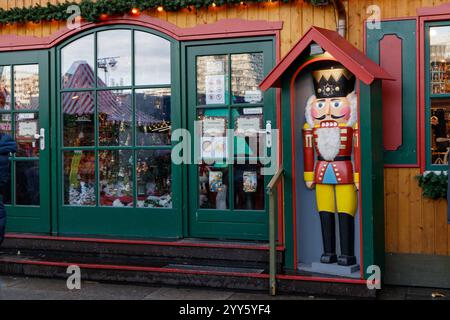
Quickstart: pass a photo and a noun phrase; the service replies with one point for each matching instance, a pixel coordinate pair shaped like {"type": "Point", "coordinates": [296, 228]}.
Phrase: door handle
{"type": "Point", "coordinates": [41, 137]}
{"type": "Point", "coordinates": [269, 134]}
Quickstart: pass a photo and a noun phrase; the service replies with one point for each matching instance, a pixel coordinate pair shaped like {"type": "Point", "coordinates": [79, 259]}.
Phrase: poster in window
{"type": "Point", "coordinates": [27, 129]}
{"type": "Point", "coordinates": [213, 147]}
{"type": "Point", "coordinates": [214, 126]}
{"type": "Point", "coordinates": [215, 89]}
{"type": "Point", "coordinates": [250, 183]}
{"type": "Point", "coordinates": [215, 181]}
{"type": "Point", "coordinates": [248, 126]}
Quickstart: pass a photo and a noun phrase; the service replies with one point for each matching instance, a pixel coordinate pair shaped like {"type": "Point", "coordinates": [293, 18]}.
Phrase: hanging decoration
{"type": "Point", "coordinates": [94, 11]}
{"type": "Point", "coordinates": [434, 185]}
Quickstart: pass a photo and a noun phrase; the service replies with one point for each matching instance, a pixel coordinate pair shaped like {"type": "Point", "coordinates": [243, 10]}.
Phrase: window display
{"type": "Point", "coordinates": [107, 132]}
{"type": "Point", "coordinates": [440, 125]}
{"type": "Point", "coordinates": [247, 72]}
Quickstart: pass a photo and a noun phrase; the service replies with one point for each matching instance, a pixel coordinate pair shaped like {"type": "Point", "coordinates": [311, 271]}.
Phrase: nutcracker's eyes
{"type": "Point", "coordinates": [336, 104]}
{"type": "Point", "coordinates": [320, 104]}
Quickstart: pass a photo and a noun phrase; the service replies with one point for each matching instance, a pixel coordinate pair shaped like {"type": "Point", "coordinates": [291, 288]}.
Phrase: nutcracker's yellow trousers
{"type": "Point", "coordinates": [343, 196]}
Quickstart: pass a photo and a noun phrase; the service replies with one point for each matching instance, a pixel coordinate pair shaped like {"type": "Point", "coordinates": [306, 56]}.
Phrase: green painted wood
{"type": "Point", "coordinates": [33, 218]}
{"type": "Point", "coordinates": [372, 175]}
{"type": "Point", "coordinates": [406, 31]}
{"type": "Point", "coordinates": [231, 223]}
{"type": "Point", "coordinates": [122, 222]}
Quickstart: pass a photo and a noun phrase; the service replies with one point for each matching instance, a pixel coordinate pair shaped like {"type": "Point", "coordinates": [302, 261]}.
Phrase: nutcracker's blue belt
{"type": "Point", "coordinates": [339, 158]}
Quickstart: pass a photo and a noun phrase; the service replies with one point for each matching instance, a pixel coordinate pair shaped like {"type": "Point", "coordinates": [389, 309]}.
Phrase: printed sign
{"type": "Point", "coordinates": [215, 181]}
{"type": "Point", "coordinates": [250, 183]}
{"type": "Point", "coordinates": [248, 126]}
{"type": "Point", "coordinates": [27, 129]}
{"type": "Point", "coordinates": [215, 89]}
{"type": "Point", "coordinates": [213, 147]}
{"type": "Point", "coordinates": [214, 126]}
{"type": "Point", "coordinates": [253, 96]}
{"type": "Point", "coordinates": [253, 110]}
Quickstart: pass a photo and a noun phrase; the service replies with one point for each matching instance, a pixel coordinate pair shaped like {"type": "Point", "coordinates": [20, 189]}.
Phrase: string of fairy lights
{"type": "Point", "coordinates": [94, 11]}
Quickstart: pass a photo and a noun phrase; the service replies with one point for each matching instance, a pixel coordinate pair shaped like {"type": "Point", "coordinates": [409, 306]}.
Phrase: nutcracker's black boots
{"type": "Point", "coordinates": [347, 238]}
{"type": "Point", "coordinates": [328, 223]}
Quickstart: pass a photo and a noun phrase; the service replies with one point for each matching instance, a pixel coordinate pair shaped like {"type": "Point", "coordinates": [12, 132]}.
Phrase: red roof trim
{"type": "Point", "coordinates": [227, 28]}
{"type": "Point", "coordinates": [433, 11]}
{"type": "Point", "coordinates": [343, 51]}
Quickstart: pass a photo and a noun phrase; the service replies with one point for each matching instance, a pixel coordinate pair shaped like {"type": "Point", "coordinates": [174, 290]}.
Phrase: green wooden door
{"type": "Point", "coordinates": [24, 112]}
{"type": "Point", "coordinates": [225, 112]}
{"type": "Point", "coordinates": [118, 103]}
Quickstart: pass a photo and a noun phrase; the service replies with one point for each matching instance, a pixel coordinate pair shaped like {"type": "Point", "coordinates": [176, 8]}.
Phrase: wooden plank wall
{"type": "Point", "coordinates": [413, 224]}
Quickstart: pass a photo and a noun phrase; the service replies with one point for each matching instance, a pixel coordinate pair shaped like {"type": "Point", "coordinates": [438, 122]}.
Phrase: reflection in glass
{"type": "Point", "coordinates": [26, 87]}
{"type": "Point", "coordinates": [78, 118]}
{"type": "Point", "coordinates": [27, 125]}
{"type": "Point", "coordinates": [115, 117]}
{"type": "Point", "coordinates": [152, 59]}
{"type": "Point", "coordinates": [79, 178]}
{"type": "Point", "coordinates": [440, 125]}
{"type": "Point", "coordinates": [5, 88]}
{"type": "Point", "coordinates": [248, 187]}
{"type": "Point", "coordinates": [116, 178]}
{"type": "Point", "coordinates": [114, 58]}
{"type": "Point", "coordinates": [212, 80]}
{"type": "Point", "coordinates": [154, 179]}
{"type": "Point", "coordinates": [153, 117]}
{"type": "Point", "coordinates": [77, 63]}
{"type": "Point", "coordinates": [213, 186]}
{"type": "Point", "coordinates": [27, 183]}
{"type": "Point", "coordinates": [247, 72]}
{"type": "Point", "coordinates": [5, 124]}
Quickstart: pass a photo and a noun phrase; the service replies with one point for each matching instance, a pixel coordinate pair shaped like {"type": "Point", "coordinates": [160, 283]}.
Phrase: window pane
{"type": "Point", "coordinates": [247, 123]}
{"type": "Point", "coordinates": [77, 63]}
{"type": "Point", "coordinates": [212, 139]}
{"type": "Point", "coordinates": [152, 59]}
{"type": "Point", "coordinates": [213, 187]}
{"type": "Point", "coordinates": [248, 187]}
{"type": "Point", "coordinates": [26, 87]}
{"type": "Point", "coordinates": [27, 183]}
{"type": "Point", "coordinates": [115, 117]}
{"type": "Point", "coordinates": [27, 125]}
{"type": "Point", "coordinates": [153, 117]}
{"type": "Point", "coordinates": [78, 117]}
{"type": "Point", "coordinates": [212, 80]}
{"type": "Point", "coordinates": [247, 72]}
{"type": "Point", "coordinates": [5, 124]}
{"type": "Point", "coordinates": [154, 179]}
{"type": "Point", "coordinates": [440, 125]}
{"type": "Point", "coordinates": [5, 88]}
{"type": "Point", "coordinates": [79, 178]}
{"type": "Point", "coordinates": [116, 178]}
{"type": "Point", "coordinates": [114, 58]}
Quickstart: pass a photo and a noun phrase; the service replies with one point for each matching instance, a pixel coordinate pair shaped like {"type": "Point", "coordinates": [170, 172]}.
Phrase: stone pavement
{"type": "Point", "coordinates": [25, 288]}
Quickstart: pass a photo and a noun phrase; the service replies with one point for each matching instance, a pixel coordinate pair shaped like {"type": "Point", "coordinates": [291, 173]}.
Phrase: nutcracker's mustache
{"type": "Point", "coordinates": [337, 117]}
{"type": "Point", "coordinates": [321, 118]}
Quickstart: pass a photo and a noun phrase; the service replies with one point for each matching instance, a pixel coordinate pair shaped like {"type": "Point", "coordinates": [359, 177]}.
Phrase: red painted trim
{"type": "Point", "coordinates": [318, 279]}
{"type": "Point", "coordinates": [134, 268]}
{"type": "Point", "coordinates": [358, 63]}
{"type": "Point", "coordinates": [142, 242]}
{"type": "Point", "coordinates": [436, 10]}
{"type": "Point", "coordinates": [391, 58]}
{"type": "Point", "coordinates": [227, 28]}
{"type": "Point", "coordinates": [180, 271]}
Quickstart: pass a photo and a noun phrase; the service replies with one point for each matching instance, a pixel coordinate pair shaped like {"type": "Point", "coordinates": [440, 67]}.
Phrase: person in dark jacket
{"type": "Point", "coordinates": [7, 146]}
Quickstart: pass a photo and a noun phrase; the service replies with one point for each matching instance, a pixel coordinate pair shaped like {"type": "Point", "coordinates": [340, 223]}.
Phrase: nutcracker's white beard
{"type": "Point", "coordinates": [328, 142]}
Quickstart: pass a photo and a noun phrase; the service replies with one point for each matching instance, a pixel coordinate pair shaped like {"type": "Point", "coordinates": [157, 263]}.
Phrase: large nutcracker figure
{"type": "Point", "coordinates": [331, 131]}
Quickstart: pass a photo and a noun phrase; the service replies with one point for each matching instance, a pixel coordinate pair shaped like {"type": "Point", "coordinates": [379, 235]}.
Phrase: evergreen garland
{"type": "Point", "coordinates": [434, 185]}
{"type": "Point", "coordinates": [93, 11]}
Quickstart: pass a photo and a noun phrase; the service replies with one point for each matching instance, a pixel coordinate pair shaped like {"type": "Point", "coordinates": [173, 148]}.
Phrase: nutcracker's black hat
{"type": "Point", "coordinates": [333, 82]}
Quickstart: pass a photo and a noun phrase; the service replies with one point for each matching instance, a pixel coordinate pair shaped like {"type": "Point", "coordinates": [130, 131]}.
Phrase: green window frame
{"type": "Point", "coordinates": [430, 98]}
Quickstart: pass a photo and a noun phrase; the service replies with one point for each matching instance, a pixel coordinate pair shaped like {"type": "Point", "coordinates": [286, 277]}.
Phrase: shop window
{"type": "Point", "coordinates": [438, 93]}
{"type": "Point", "coordinates": [116, 120]}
